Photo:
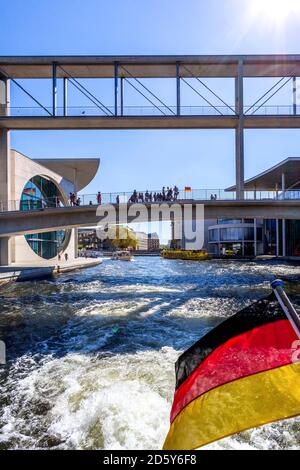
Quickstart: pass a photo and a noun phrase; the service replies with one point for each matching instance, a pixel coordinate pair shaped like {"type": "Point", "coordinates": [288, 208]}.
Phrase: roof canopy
{"type": "Point", "coordinates": [268, 180]}
{"type": "Point", "coordinates": [150, 66]}
{"type": "Point", "coordinates": [83, 170]}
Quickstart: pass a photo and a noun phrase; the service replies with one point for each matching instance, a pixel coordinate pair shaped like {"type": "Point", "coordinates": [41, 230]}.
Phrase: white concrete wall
{"type": "Point", "coordinates": [23, 254]}
{"type": "Point", "coordinates": [22, 170]}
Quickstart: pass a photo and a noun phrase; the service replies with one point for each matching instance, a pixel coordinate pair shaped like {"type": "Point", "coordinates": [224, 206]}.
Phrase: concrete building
{"type": "Point", "coordinates": [142, 241]}
{"type": "Point", "coordinates": [38, 184]}
{"type": "Point", "coordinates": [88, 240]}
{"type": "Point", "coordinates": [153, 242]}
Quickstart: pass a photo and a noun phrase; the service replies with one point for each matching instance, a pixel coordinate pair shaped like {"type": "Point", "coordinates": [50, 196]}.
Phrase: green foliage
{"type": "Point", "coordinates": [125, 238]}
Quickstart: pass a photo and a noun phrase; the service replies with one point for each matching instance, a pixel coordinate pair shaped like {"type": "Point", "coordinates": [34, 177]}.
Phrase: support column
{"type": "Point", "coordinates": [5, 173]}
{"type": "Point", "coordinates": [294, 95]}
{"type": "Point", "coordinates": [277, 238]}
{"type": "Point", "coordinates": [116, 88]}
{"type": "Point", "coordinates": [122, 96]}
{"type": "Point", "coordinates": [283, 184]}
{"type": "Point", "coordinates": [4, 96]}
{"type": "Point", "coordinates": [239, 133]}
{"type": "Point", "coordinates": [65, 96]}
{"type": "Point", "coordinates": [178, 88]}
{"type": "Point", "coordinates": [54, 89]}
{"type": "Point", "coordinates": [283, 237]}
{"type": "Point", "coordinates": [5, 251]}
{"type": "Point", "coordinates": [255, 237]}
{"type": "Point", "coordinates": [5, 168]}
{"type": "Point", "coordinates": [75, 181]}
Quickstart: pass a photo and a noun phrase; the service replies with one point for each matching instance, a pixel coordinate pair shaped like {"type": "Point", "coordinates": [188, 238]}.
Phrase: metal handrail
{"type": "Point", "coordinates": [189, 110]}
{"type": "Point", "coordinates": [32, 203]}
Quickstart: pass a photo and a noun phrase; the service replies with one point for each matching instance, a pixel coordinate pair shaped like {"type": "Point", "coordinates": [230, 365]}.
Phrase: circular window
{"type": "Point", "coordinates": [39, 193]}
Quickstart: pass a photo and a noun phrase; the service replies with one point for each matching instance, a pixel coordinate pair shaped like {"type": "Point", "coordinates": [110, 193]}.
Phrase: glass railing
{"type": "Point", "coordinates": [109, 111]}
{"type": "Point", "coordinates": [142, 197]}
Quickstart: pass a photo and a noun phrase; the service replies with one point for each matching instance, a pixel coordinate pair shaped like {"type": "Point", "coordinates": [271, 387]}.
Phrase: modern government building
{"type": "Point", "coordinates": [253, 237]}
{"type": "Point", "coordinates": [38, 184]}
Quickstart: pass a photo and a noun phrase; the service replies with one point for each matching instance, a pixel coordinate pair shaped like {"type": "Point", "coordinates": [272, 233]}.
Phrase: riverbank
{"type": "Point", "coordinates": [44, 269]}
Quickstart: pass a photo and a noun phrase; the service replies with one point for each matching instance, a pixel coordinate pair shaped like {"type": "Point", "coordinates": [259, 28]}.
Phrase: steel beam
{"type": "Point", "coordinates": [65, 104]}
{"type": "Point", "coordinates": [239, 132]}
{"type": "Point", "coordinates": [294, 95]}
{"type": "Point", "coordinates": [178, 88]}
{"type": "Point", "coordinates": [116, 73]}
{"type": "Point", "coordinates": [54, 89]}
{"type": "Point", "coordinates": [122, 96]}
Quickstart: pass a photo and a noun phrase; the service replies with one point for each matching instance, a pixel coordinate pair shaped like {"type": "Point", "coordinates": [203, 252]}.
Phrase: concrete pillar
{"type": "Point", "coordinates": [4, 96]}
{"type": "Point", "coordinates": [75, 242]}
{"type": "Point", "coordinates": [239, 133]}
{"type": "Point", "coordinates": [177, 88]}
{"type": "Point", "coordinates": [54, 89]}
{"type": "Point", "coordinates": [283, 237]}
{"type": "Point", "coordinates": [5, 251]}
{"type": "Point", "coordinates": [116, 70]}
{"type": "Point", "coordinates": [283, 185]}
{"type": "Point", "coordinates": [294, 95]}
{"type": "Point", "coordinates": [75, 181]}
{"type": "Point", "coordinates": [5, 169]}
{"type": "Point", "coordinates": [122, 96]}
{"type": "Point", "coordinates": [277, 237]}
{"type": "Point", "coordinates": [255, 237]}
{"type": "Point", "coordinates": [65, 96]}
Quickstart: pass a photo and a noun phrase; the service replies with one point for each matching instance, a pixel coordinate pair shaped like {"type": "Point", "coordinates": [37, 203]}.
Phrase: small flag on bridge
{"type": "Point", "coordinates": [241, 375]}
{"type": "Point", "coordinates": [188, 189]}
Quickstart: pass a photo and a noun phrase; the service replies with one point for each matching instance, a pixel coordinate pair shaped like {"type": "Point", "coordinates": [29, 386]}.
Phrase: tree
{"type": "Point", "coordinates": [125, 238]}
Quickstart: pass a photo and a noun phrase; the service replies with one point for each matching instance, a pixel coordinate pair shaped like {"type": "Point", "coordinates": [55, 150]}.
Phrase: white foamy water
{"type": "Point", "coordinates": [91, 355]}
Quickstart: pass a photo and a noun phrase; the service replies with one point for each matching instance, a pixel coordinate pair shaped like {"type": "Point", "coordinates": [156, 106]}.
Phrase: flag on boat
{"type": "Point", "coordinates": [188, 189]}
{"type": "Point", "coordinates": [241, 375]}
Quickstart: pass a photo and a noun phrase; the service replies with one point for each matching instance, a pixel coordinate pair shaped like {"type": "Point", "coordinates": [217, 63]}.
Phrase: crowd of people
{"type": "Point", "coordinates": [166, 194]}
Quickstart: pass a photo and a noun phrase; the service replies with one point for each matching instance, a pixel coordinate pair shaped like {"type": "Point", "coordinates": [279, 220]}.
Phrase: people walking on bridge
{"type": "Point", "coordinates": [72, 198]}
{"type": "Point", "coordinates": [118, 199]}
{"type": "Point", "coordinates": [175, 192]}
{"type": "Point", "coordinates": [99, 198]}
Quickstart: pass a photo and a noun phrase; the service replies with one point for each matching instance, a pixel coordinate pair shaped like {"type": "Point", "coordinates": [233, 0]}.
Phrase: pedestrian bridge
{"type": "Point", "coordinates": [13, 223]}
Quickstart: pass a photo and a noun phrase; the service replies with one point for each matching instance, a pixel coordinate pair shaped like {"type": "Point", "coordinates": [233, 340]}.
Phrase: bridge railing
{"type": "Point", "coordinates": [32, 203]}
{"type": "Point", "coordinates": [77, 111]}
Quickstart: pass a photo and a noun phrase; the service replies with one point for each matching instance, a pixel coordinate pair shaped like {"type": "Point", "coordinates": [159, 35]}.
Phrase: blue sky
{"type": "Point", "coordinates": [150, 159]}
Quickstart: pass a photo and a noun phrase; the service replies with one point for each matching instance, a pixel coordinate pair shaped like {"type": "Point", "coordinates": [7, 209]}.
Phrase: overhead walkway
{"type": "Point", "coordinates": [14, 223]}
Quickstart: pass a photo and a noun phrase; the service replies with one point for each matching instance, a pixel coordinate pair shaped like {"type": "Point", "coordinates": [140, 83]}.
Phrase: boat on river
{"type": "Point", "coordinates": [191, 255]}
{"type": "Point", "coordinates": [124, 255]}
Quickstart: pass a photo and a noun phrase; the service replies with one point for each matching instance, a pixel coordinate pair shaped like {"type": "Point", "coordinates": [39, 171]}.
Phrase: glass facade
{"type": "Point", "coordinates": [236, 237]}
{"type": "Point", "coordinates": [229, 221]}
{"type": "Point", "coordinates": [38, 193]}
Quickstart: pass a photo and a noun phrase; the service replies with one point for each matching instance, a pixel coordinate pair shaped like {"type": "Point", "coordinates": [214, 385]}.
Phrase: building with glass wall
{"type": "Point", "coordinates": [252, 237]}
{"type": "Point", "coordinates": [37, 184]}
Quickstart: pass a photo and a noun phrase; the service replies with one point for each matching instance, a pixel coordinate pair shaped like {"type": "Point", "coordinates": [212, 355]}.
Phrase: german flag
{"type": "Point", "coordinates": [239, 376]}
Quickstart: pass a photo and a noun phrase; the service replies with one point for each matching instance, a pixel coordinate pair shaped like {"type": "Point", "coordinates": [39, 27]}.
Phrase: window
{"type": "Point", "coordinates": [213, 235]}
{"type": "Point", "coordinates": [229, 221]}
{"type": "Point", "coordinates": [40, 192]}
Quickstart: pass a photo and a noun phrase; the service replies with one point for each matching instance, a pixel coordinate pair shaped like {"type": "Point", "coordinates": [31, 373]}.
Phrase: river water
{"type": "Point", "coordinates": [91, 354]}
